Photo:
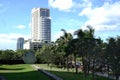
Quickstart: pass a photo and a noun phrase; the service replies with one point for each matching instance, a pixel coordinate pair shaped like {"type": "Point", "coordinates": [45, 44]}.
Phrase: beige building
{"type": "Point", "coordinates": [32, 45]}
{"type": "Point", "coordinates": [41, 25]}
{"type": "Point", "coordinates": [40, 29]}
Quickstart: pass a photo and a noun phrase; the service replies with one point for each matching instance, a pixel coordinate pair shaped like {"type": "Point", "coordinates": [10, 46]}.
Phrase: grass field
{"type": "Point", "coordinates": [68, 75]}
{"type": "Point", "coordinates": [26, 72]}
{"type": "Point", "coordinates": [21, 72]}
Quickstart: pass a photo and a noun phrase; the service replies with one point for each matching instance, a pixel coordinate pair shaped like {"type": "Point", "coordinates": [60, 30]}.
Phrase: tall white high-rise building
{"type": "Point", "coordinates": [20, 42]}
{"type": "Point", "coordinates": [41, 25]}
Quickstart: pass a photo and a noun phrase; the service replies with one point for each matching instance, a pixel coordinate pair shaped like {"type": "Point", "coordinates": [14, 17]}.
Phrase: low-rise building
{"type": "Point", "coordinates": [32, 45]}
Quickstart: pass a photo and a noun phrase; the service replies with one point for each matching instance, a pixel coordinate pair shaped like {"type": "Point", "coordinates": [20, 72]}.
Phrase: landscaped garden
{"type": "Point", "coordinates": [94, 56]}
{"type": "Point", "coordinates": [21, 72]}
{"type": "Point", "coordinates": [26, 72]}
{"type": "Point", "coordinates": [65, 75]}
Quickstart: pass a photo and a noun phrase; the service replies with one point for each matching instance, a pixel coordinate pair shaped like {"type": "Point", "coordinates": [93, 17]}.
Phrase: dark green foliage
{"type": "Point", "coordinates": [7, 55]}
{"type": "Point", "coordinates": [94, 53]}
{"type": "Point", "coordinates": [11, 57]}
{"type": "Point", "coordinates": [113, 55]}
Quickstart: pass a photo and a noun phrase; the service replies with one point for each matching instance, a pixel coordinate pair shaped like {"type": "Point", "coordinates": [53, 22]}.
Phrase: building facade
{"type": "Point", "coordinates": [32, 45]}
{"type": "Point", "coordinates": [41, 25]}
{"type": "Point", "coordinates": [20, 43]}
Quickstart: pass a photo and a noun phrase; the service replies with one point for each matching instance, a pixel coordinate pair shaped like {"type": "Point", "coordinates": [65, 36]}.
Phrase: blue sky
{"type": "Point", "coordinates": [15, 18]}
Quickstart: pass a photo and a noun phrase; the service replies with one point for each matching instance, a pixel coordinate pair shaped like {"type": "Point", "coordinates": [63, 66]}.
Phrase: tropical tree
{"type": "Point", "coordinates": [19, 54]}
{"type": "Point", "coordinates": [113, 55]}
{"type": "Point", "coordinates": [7, 55]}
{"type": "Point", "coordinates": [59, 52]}
{"type": "Point", "coordinates": [97, 56]}
{"type": "Point", "coordinates": [44, 54]}
{"type": "Point", "coordinates": [66, 38]}
{"type": "Point", "coordinates": [86, 42]}
{"type": "Point", "coordinates": [1, 54]}
{"type": "Point", "coordinates": [72, 48]}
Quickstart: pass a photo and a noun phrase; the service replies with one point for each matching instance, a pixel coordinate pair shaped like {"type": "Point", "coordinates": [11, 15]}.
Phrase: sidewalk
{"type": "Point", "coordinates": [105, 75]}
{"type": "Point", "coordinates": [46, 73]}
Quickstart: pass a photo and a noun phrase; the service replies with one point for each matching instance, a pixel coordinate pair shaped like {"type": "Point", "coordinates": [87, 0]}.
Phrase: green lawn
{"type": "Point", "coordinates": [21, 72]}
{"type": "Point", "coordinates": [68, 75]}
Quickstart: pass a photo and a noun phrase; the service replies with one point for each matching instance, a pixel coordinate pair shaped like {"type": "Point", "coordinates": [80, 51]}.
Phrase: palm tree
{"type": "Point", "coordinates": [59, 51]}
{"type": "Point", "coordinates": [72, 48]}
{"type": "Point", "coordinates": [86, 42]}
{"type": "Point", "coordinates": [97, 55]}
{"type": "Point", "coordinates": [81, 35]}
{"type": "Point", "coordinates": [113, 56]}
{"type": "Point", "coordinates": [66, 38]}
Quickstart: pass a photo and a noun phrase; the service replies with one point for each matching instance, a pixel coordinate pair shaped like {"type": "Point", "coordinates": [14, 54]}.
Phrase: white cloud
{"type": "Point", "coordinates": [69, 5]}
{"type": "Point", "coordinates": [106, 17]}
{"type": "Point", "coordinates": [83, 4]}
{"type": "Point", "coordinates": [21, 26]}
{"type": "Point", "coordinates": [8, 41]}
{"type": "Point", "coordinates": [61, 4]}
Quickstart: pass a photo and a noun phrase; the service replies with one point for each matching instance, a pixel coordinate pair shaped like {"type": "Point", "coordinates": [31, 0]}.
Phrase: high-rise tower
{"type": "Point", "coordinates": [20, 42]}
{"type": "Point", "coordinates": [41, 25]}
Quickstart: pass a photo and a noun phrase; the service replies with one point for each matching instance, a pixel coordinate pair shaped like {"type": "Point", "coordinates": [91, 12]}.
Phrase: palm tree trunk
{"type": "Point", "coordinates": [88, 65]}
{"type": "Point", "coordinates": [76, 67]}
{"type": "Point", "coordinates": [117, 77]}
{"type": "Point", "coordinates": [84, 67]}
{"type": "Point", "coordinates": [67, 65]}
{"type": "Point", "coordinates": [93, 70]}
{"type": "Point", "coordinates": [108, 71]}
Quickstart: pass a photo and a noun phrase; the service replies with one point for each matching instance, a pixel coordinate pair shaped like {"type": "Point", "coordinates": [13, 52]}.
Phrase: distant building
{"type": "Point", "coordinates": [32, 45]}
{"type": "Point", "coordinates": [40, 29]}
{"type": "Point", "coordinates": [41, 25]}
{"type": "Point", "coordinates": [27, 44]}
{"type": "Point", "coordinates": [20, 42]}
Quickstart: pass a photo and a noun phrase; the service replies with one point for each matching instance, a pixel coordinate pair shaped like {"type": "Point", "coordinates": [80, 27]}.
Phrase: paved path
{"type": "Point", "coordinates": [58, 78]}
{"type": "Point", "coordinates": [46, 73]}
{"type": "Point", "coordinates": [105, 75]}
